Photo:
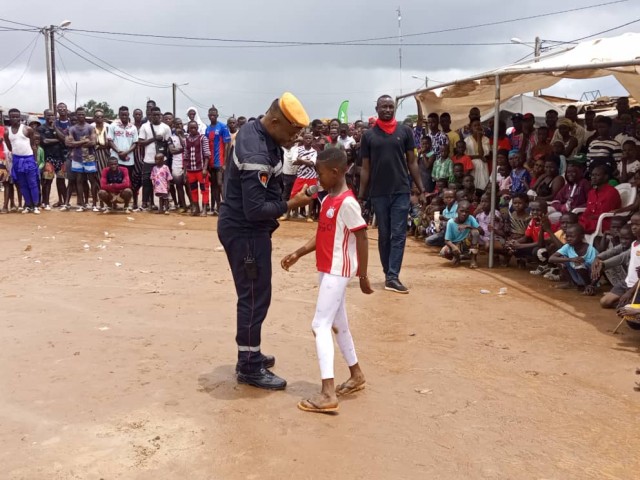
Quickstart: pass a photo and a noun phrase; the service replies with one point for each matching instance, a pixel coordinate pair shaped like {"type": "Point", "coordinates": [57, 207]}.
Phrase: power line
{"type": "Point", "coordinates": [116, 68]}
{"type": "Point", "coordinates": [18, 23]}
{"type": "Point", "coordinates": [67, 80]}
{"type": "Point", "coordinates": [318, 44]}
{"type": "Point", "coordinates": [195, 102]}
{"type": "Point", "coordinates": [35, 44]}
{"type": "Point", "coordinates": [600, 33]}
{"type": "Point", "coordinates": [106, 70]}
{"type": "Point", "coordinates": [35, 39]}
{"type": "Point", "coordinates": [499, 22]}
{"type": "Point", "coordinates": [348, 42]}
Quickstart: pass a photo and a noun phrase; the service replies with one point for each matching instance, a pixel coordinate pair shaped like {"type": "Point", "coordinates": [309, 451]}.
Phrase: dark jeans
{"type": "Point", "coordinates": [391, 213]}
{"type": "Point", "coordinates": [287, 181]}
{"type": "Point", "coordinates": [147, 186]}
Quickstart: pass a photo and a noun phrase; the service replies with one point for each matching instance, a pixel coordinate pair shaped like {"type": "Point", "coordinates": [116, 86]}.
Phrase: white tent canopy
{"type": "Point", "coordinates": [524, 104]}
{"type": "Point", "coordinates": [617, 56]}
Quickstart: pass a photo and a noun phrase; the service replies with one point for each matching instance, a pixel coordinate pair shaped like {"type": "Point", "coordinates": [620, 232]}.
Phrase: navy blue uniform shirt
{"type": "Point", "coordinates": [253, 183]}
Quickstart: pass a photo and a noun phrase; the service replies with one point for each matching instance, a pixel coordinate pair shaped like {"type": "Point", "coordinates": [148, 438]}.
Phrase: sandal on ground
{"type": "Point", "coordinates": [346, 389]}
{"type": "Point", "coordinates": [308, 406]}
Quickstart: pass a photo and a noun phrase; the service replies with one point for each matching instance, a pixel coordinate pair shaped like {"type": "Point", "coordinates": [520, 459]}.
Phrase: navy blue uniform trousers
{"type": "Point", "coordinates": [254, 296]}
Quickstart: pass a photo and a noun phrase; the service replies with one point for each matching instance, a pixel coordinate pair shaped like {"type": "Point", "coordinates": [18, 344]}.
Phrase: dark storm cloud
{"type": "Point", "coordinates": [245, 80]}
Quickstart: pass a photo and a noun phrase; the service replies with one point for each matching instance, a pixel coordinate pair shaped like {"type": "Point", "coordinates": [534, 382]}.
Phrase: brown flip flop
{"type": "Point", "coordinates": [308, 406]}
{"type": "Point", "coordinates": [344, 389]}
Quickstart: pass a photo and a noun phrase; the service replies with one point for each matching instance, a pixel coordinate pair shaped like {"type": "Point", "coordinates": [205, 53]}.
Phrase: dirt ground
{"type": "Point", "coordinates": [117, 357]}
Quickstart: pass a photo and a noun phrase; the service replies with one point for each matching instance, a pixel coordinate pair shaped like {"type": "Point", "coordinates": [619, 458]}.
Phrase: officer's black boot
{"type": "Point", "coordinates": [268, 361]}
{"type": "Point", "coordinates": [263, 379]}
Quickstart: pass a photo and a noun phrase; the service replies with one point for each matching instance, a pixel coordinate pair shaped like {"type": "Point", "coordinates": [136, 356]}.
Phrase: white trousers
{"type": "Point", "coordinates": [331, 311]}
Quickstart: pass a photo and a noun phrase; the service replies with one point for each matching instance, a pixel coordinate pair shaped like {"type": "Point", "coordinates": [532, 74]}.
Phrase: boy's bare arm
{"type": "Point", "coordinates": [362, 250]}
{"type": "Point", "coordinates": [292, 258]}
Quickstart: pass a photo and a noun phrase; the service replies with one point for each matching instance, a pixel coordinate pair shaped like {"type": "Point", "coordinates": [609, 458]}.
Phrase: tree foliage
{"type": "Point", "coordinates": [91, 106]}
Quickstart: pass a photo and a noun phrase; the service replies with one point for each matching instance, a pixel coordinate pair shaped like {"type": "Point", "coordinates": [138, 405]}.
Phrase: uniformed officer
{"type": "Point", "coordinates": [252, 203]}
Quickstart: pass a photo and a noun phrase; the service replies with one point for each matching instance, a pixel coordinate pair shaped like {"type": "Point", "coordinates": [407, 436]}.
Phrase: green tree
{"type": "Point", "coordinates": [91, 106]}
{"type": "Point", "coordinates": [411, 118]}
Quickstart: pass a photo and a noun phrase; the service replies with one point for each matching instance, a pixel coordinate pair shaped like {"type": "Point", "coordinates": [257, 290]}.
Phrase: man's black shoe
{"type": "Point", "coordinates": [394, 285]}
{"type": "Point", "coordinates": [268, 361]}
{"type": "Point", "coordinates": [263, 379]}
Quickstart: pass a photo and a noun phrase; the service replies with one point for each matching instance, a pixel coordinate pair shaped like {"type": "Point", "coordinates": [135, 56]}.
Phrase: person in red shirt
{"type": "Point", "coordinates": [341, 248]}
{"type": "Point", "coordinates": [602, 198]}
{"type": "Point", "coordinates": [115, 186]}
{"type": "Point", "coordinates": [534, 239]}
{"type": "Point", "coordinates": [462, 158]}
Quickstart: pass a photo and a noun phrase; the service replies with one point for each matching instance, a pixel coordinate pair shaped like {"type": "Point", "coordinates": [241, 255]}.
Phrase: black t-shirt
{"type": "Point", "coordinates": [53, 150]}
{"type": "Point", "coordinates": [388, 172]}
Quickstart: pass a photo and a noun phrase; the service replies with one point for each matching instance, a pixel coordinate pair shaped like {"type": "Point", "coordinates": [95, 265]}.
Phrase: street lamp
{"type": "Point", "coordinates": [49, 40]}
{"type": "Point", "coordinates": [537, 48]}
{"type": "Point", "coordinates": [425, 79]}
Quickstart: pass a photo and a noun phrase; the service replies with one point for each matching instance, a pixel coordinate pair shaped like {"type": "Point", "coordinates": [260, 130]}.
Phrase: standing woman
{"type": "Point", "coordinates": [102, 143]}
{"type": "Point", "coordinates": [479, 149]}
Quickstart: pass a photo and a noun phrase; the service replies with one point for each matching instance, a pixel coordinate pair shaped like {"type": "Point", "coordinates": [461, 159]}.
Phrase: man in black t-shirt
{"type": "Point", "coordinates": [388, 157]}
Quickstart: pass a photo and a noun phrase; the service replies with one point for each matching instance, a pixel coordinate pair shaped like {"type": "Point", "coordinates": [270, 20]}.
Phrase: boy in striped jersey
{"type": "Point", "coordinates": [341, 248]}
{"type": "Point", "coordinates": [306, 169]}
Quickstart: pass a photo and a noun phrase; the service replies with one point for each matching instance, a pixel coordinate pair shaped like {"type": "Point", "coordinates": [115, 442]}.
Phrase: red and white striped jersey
{"type": "Point", "coordinates": [340, 216]}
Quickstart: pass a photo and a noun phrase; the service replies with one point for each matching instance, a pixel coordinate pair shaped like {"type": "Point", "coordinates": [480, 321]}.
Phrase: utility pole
{"type": "Point", "coordinates": [47, 54]}
{"type": "Point", "coordinates": [174, 87]}
{"type": "Point", "coordinates": [536, 53]}
{"type": "Point", "coordinates": [50, 55]}
{"type": "Point", "coordinates": [53, 66]}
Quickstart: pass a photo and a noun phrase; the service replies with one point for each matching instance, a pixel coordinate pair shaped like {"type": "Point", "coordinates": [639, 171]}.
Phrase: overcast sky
{"type": "Point", "coordinates": [243, 79]}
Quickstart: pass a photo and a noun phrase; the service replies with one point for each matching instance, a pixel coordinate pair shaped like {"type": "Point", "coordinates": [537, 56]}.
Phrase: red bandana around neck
{"type": "Point", "coordinates": [387, 127]}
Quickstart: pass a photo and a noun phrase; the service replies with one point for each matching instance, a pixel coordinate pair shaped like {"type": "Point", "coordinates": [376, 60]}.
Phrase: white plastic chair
{"type": "Point", "coordinates": [627, 198]}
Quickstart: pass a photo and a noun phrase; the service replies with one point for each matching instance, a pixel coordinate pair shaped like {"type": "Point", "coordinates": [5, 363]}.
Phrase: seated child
{"type": "Point", "coordinates": [458, 175]}
{"type": "Point", "coordinates": [629, 164]}
{"type": "Point", "coordinates": [613, 264]}
{"type": "Point", "coordinates": [519, 218]}
{"type": "Point", "coordinates": [527, 246]}
{"type": "Point", "coordinates": [473, 193]}
{"type": "Point", "coordinates": [520, 176]}
{"type": "Point", "coordinates": [462, 236]}
{"type": "Point", "coordinates": [430, 220]}
{"type": "Point", "coordinates": [483, 216]}
{"type": "Point", "coordinates": [558, 152]}
{"type": "Point", "coordinates": [415, 212]}
{"type": "Point", "coordinates": [635, 206]}
{"type": "Point", "coordinates": [450, 211]}
{"type": "Point", "coordinates": [461, 158]}
{"type": "Point", "coordinates": [441, 185]}
{"type": "Point", "coordinates": [443, 166]}
{"type": "Point", "coordinates": [575, 259]}
{"type": "Point", "coordinates": [611, 237]}
{"type": "Point", "coordinates": [627, 295]}
{"type": "Point", "coordinates": [557, 241]}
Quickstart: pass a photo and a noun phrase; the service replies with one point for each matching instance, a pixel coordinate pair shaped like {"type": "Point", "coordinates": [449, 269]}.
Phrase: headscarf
{"type": "Point", "coordinates": [565, 122]}
{"type": "Point", "coordinates": [201, 126]}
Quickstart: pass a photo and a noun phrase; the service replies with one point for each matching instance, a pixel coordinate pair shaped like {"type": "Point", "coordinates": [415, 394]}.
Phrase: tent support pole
{"type": "Point", "coordinates": [494, 170]}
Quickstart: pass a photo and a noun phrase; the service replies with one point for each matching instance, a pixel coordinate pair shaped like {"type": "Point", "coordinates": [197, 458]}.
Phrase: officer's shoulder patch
{"type": "Point", "coordinates": [264, 178]}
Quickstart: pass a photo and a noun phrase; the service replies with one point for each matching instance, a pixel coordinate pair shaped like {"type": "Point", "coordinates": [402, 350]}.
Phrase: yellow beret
{"type": "Point", "coordinates": [293, 110]}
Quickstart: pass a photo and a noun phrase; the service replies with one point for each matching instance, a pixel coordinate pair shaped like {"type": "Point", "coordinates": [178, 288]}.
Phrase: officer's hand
{"type": "Point", "coordinates": [289, 260]}
{"type": "Point", "coordinates": [300, 200]}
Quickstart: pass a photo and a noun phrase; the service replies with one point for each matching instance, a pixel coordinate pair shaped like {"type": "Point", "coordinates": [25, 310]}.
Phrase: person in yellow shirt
{"type": "Point", "coordinates": [454, 137]}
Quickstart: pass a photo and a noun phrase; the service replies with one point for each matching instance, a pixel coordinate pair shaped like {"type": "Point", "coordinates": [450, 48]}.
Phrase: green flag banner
{"type": "Point", "coordinates": [343, 116]}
